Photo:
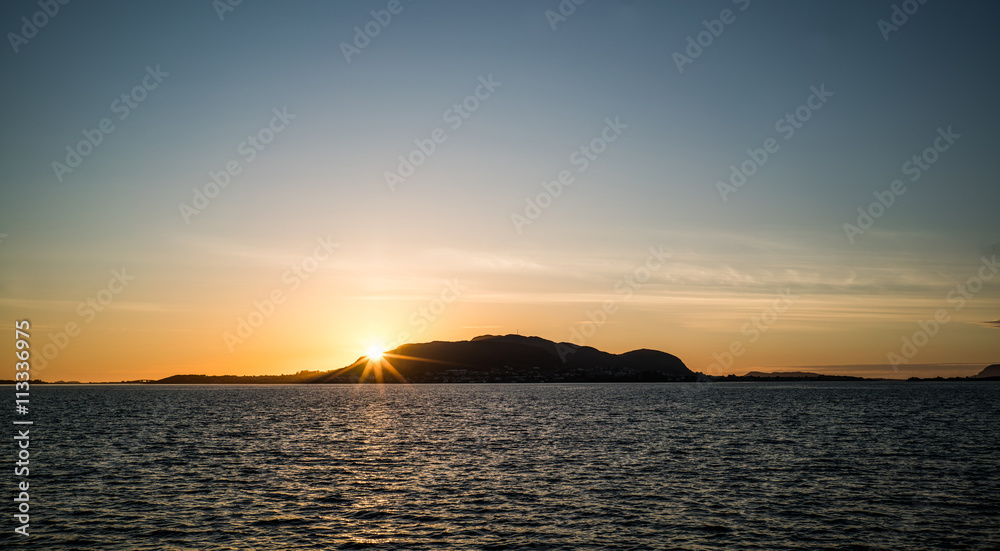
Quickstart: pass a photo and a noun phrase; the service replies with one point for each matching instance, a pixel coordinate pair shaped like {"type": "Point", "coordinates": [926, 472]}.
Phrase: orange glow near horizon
{"type": "Point", "coordinates": [837, 324]}
{"type": "Point", "coordinates": [125, 344]}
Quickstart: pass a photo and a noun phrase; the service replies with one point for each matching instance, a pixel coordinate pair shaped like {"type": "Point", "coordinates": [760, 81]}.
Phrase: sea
{"type": "Point", "coordinates": [768, 466]}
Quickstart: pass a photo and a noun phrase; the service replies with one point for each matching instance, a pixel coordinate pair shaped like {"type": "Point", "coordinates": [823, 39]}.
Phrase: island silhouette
{"type": "Point", "coordinates": [484, 359]}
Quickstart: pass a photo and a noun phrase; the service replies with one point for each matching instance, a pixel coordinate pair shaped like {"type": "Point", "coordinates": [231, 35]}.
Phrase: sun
{"type": "Point", "coordinates": [375, 353]}
{"type": "Point", "coordinates": [376, 362]}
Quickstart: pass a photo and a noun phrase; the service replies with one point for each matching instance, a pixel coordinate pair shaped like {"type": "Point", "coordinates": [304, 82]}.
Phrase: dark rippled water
{"type": "Point", "coordinates": [670, 466]}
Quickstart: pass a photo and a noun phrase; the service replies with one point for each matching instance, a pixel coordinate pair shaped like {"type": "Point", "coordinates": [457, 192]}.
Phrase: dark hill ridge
{"type": "Point", "coordinates": [990, 371]}
{"type": "Point", "coordinates": [300, 377]}
{"type": "Point", "coordinates": [514, 358]}
{"type": "Point", "coordinates": [796, 374]}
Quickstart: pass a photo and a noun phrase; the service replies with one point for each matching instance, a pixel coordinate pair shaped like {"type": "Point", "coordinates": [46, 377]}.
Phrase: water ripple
{"type": "Point", "coordinates": [671, 466]}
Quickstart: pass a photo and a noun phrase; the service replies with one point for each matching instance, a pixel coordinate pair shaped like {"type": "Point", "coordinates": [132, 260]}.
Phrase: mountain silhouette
{"type": "Point", "coordinates": [991, 371]}
{"type": "Point", "coordinates": [515, 358]}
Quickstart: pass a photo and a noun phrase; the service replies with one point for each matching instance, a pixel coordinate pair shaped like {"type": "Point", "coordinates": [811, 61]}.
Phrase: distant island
{"type": "Point", "coordinates": [793, 376]}
{"type": "Point", "coordinates": [989, 373]}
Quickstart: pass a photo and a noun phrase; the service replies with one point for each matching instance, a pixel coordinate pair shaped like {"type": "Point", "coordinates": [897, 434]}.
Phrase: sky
{"type": "Point", "coordinates": [196, 187]}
